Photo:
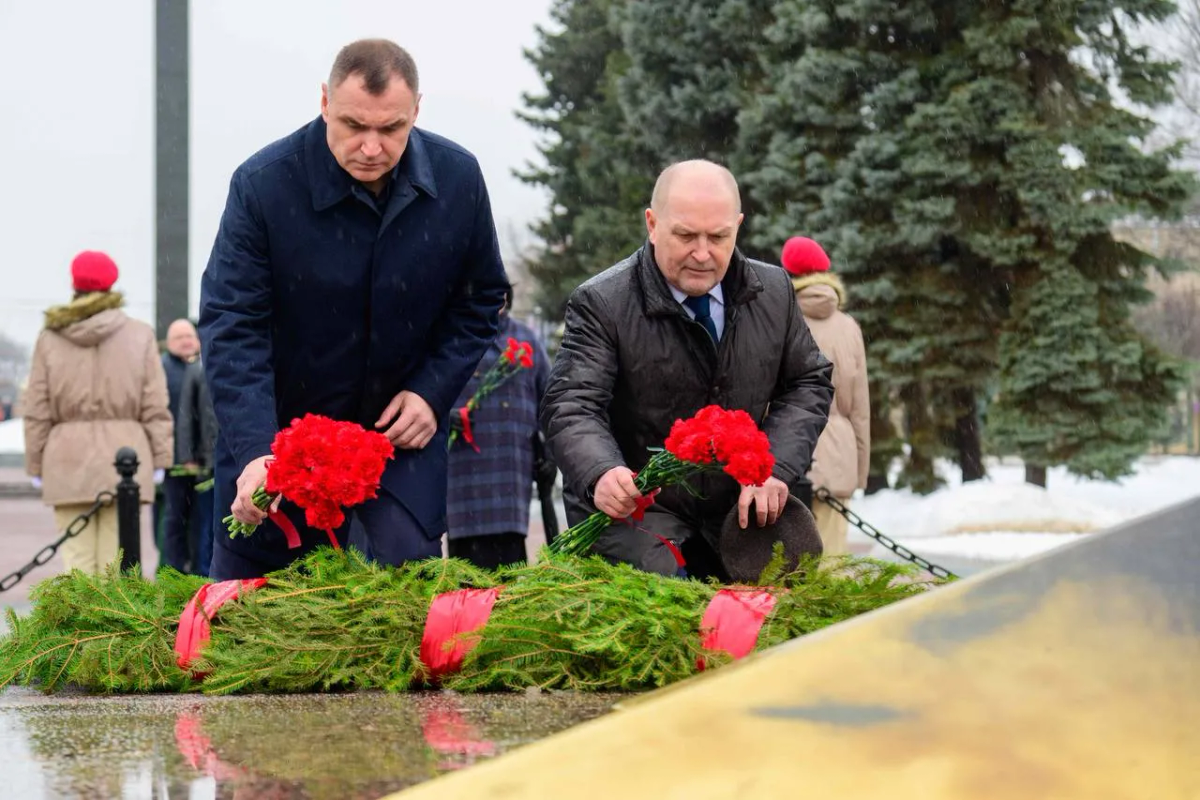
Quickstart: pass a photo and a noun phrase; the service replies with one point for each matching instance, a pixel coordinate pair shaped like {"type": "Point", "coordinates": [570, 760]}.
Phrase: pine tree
{"type": "Point", "coordinates": [843, 162]}
{"type": "Point", "coordinates": [599, 178]}
{"type": "Point", "coordinates": [1077, 384]}
{"type": "Point", "coordinates": [1080, 388]}
{"type": "Point", "coordinates": [693, 68]}
{"type": "Point", "coordinates": [923, 144]}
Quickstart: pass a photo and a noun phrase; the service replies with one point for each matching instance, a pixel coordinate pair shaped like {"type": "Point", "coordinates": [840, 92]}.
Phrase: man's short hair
{"type": "Point", "coordinates": [377, 61]}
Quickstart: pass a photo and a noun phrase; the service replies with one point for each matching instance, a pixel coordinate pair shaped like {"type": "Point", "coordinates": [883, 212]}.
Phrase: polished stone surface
{"type": "Point", "coordinates": [361, 745]}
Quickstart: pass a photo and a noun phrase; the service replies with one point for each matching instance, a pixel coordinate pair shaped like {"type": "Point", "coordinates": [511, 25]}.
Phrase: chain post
{"type": "Point", "coordinates": [129, 535]}
{"type": "Point", "coordinates": [44, 555]}
{"type": "Point", "coordinates": [824, 496]}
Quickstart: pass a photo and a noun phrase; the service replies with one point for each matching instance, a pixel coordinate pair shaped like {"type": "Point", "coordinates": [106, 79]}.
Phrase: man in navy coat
{"type": "Point", "coordinates": [356, 274]}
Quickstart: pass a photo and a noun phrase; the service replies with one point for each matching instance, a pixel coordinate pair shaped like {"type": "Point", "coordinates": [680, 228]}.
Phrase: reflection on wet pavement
{"type": "Point", "coordinates": [361, 745]}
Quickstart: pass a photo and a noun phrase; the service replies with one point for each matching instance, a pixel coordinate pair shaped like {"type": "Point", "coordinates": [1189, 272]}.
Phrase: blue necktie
{"type": "Point", "coordinates": [700, 307]}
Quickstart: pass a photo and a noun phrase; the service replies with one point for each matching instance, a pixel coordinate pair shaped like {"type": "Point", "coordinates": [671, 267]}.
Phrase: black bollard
{"type": "Point", "coordinates": [129, 535]}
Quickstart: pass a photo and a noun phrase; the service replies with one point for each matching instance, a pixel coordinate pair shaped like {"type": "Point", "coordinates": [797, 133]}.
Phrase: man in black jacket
{"type": "Point", "coordinates": [685, 322]}
{"type": "Point", "coordinates": [178, 489]}
{"type": "Point", "coordinates": [195, 435]}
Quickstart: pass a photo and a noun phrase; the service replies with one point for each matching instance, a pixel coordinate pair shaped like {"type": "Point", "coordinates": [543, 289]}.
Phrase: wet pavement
{"type": "Point", "coordinates": [361, 745]}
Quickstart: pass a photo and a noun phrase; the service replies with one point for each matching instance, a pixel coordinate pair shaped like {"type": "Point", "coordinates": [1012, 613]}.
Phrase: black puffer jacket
{"type": "Point", "coordinates": [632, 362]}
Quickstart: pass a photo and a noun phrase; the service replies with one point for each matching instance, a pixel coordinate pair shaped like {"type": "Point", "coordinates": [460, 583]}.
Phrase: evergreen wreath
{"type": "Point", "coordinates": [335, 621]}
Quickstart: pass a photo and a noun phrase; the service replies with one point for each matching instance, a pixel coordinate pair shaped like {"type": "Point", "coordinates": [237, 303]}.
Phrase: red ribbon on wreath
{"type": "Point", "coordinates": [452, 617]}
{"type": "Point", "coordinates": [732, 621]}
{"type": "Point", "coordinates": [194, 629]}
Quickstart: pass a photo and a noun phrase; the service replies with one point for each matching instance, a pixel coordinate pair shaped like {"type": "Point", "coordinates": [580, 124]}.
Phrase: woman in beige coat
{"type": "Point", "coordinates": [843, 453]}
{"type": "Point", "coordinates": [96, 384]}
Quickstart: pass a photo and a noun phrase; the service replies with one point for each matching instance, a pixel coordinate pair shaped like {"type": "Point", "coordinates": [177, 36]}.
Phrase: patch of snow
{"type": "Point", "coordinates": [987, 506]}
{"type": "Point", "coordinates": [998, 546]}
{"type": "Point", "coordinates": [1001, 518]}
{"type": "Point", "coordinates": [12, 436]}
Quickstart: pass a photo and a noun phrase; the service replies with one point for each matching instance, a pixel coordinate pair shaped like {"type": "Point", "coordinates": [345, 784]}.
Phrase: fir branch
{"type": "Point", "coordinates": [334, 621]}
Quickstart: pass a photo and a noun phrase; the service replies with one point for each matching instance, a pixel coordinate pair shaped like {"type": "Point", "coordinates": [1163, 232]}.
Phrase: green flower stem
{"type": "Point", "coordinates": [662, 470]}
{"type": "Point", "coordinates": [262, 501]}
{"type": "Point", "coordinates": [500, 372]}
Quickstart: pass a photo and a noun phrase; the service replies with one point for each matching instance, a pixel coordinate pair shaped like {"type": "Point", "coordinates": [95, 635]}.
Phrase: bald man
{"type": "Point", "coordinates": [684, 322]}
{"type": "Point", "coordinates": [178, 537]}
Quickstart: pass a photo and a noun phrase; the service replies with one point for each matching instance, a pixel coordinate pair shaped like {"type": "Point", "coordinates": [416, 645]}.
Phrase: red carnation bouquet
{"type": "Point", "coordinates": [323, 466]}
{"type": "Point", "coordinates": [714, 439]}
{"type": "Point", "coordinates": [516, 357]}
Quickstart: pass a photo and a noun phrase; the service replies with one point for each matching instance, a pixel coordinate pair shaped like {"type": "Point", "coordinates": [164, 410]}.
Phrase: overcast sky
{"type": "Point", "coordinates": [76, 146]}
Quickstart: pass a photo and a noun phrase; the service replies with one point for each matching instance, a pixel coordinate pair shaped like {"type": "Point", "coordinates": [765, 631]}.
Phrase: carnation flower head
{"type": "Point", "coordinates": [730, 438]}
{"type": "Point", "coordinates": [325, 465]}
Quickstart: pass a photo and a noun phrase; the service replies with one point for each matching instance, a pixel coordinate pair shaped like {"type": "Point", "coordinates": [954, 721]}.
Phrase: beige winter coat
{"type": "Point", "coordinates": [843, 453]}
{"type": "Point", "coordinates": [96, 384]}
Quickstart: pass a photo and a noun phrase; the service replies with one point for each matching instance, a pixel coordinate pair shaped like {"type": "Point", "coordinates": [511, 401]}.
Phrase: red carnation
{"type": "Point", "coordinates": [729, 438]}
{"type": "Point", "coordinates": [517, 355]}
{"type": "Point", "coordinates": [323, 466]}
{"type": "Point", "coordinates": [713, 437]}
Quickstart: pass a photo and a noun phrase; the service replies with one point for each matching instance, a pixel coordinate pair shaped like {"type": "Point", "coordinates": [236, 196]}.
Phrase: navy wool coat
{"type": "Point", "coordinates": [316, 300]}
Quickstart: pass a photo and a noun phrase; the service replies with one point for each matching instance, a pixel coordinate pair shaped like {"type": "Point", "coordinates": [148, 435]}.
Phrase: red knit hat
{"type": "Point", "coordinates": [802, 255]}
{"type": "Point", "coordinates": [93, 271]}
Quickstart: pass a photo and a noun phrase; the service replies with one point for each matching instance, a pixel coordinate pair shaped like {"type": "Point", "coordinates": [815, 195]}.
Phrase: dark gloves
{"type": "Point", "coordinates": [544, 469]}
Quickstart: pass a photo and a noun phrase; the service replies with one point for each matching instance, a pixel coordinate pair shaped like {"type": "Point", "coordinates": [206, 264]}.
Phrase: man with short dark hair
{"type": "Point", "coordinates": [685, 322]}
{"type": "Point", "coordinates": [356, 274]}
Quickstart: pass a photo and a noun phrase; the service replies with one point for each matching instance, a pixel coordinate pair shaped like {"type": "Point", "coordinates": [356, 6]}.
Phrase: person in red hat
{"type": "Point", "coordinates": [95, 385]}
{"type": "Point", "coordinates": [843, 452]}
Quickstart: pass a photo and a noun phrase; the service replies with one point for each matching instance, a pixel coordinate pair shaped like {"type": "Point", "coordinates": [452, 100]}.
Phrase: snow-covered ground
{"type": "Point", "coordinates": [1002, 518]}
{"type": "Point", "coordinates": [12, 437]}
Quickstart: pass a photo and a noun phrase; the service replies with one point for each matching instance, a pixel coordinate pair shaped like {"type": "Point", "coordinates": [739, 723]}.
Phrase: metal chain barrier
{"type": "Point", "coordinates": [824, 496]}
{"type": "Point", "coordinates": [46, 553]}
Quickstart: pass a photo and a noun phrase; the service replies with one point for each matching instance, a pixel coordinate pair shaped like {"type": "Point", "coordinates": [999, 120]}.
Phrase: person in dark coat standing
{"type": "Point", "coordinates": [196, 434]}
{"type": "Point", "coordinates": [356, 274]}
{"type": "Point", "coordinates": [492, 478]}
{"type": "Point", "coordinates": [685, 322]}
{"type": "Point", "coordinates": [178, 490]}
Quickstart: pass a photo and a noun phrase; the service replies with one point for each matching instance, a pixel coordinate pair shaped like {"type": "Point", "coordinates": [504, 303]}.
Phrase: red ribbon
{"type": "Point", "coordinates": [451, 615]}
{"type": "Point", "coordinates": [679, 560]}
{"type": "Point", "coordinates": [289, 530]}
{"type": "Point", "coordinates": [732, 621]}
{"type": "Point", "coordinates": [464, 414]}
{"type": "Point", "coordinates": [292, 535]}
{"type": "Point", "coordinates": [449, 733]}
{"type": "Point", "coordinates": [641, 504]}
{"type": "Point", "coordinates": [639, 514]}
{"type": "Point", "coordinates": [197, 749]}
{"type": "Point", "coordinates": [194, 629]}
